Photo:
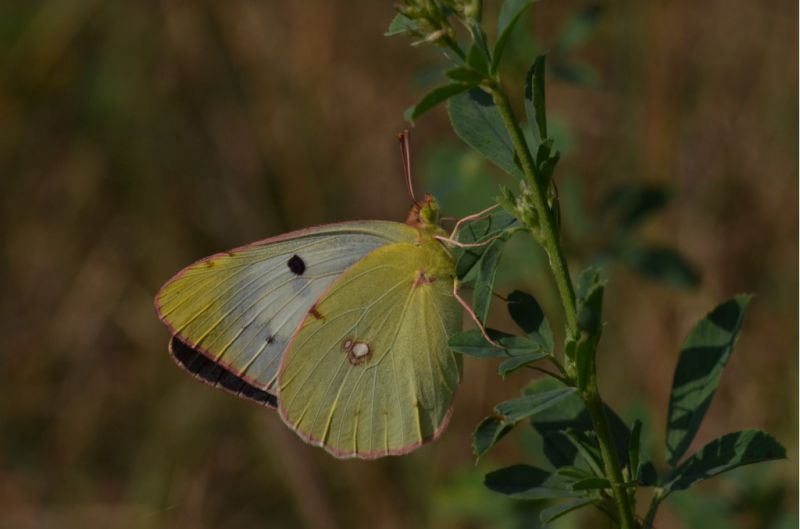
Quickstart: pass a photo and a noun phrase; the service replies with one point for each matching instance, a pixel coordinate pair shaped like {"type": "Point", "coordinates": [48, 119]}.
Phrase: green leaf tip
{"type": "Point", "coordinates": [529, 316]}
{"type": "Point", "coordinates": [510, 13]}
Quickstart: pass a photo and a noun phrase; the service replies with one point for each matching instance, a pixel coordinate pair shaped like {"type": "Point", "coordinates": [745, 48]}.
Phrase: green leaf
{"type": "Point", "coordinates": [465, 75]}
{"type": "Point", "coordinates": [401, 24]}
{"type": "Point", "coordinates": [661, 264]}
{"type": "Point", "coordinates": [509, 413]}
{"type": "Point", "coordinates": [526, 312]}
{"type": "Point", "coordinates": [585, 283]}
{"type": "Point", "coordinates": [557, 448]}
{"type": "Point", "coordinates": [515, 410]}
{"type": "Point", "coordinates": [481, 45]}
{"type": "Point", "coordinates": [631, 203]}
{"type": "Point", "coordinates": [587, 446]}
{"type": "Point", "coordinates": [704, 355]}
{"type": "Point", "coordinates": [487, 227]}
{"type": "Point", "coordinates": [476, 121]}
{"type": "Point", "coordinates": [591, 484]}
{"type": "Point", "coordinates": [489, 431]}
{"type": "Point", "coordinates": [553, 513]}
{"type": "Point", "coordinates": [517, 362]}
{"type": "Point", "coordinates": [575, 73]}
{"type": "Point", "coordinates": [535, 102]}
{"type": "Point", "coordinates": [433, 98]}
{"type": "Point", "coordinates": [726, 453]}
{"type": "Point", "coordinates": [579, 28]}
{"type": "Point", "coordinates": [483, 289]}
{"type": "Point", "coordinates": [497, 223]}
{"type": "Point", "coordinates": [589, 294]}
{"type": "Point", "coordinates": [547, 167]}
{"type": "Point", "coordinates": [571, 414]}
{"type": "Point", "coordinates": [648, 476]}
{"type": "Point", "coordinates": [510, 13]}
{"type": "Point", "coordinates": [571, 475]}
{"type": "Point", "coordinates": [525, 482]}
{"type": "Point", "coordinates": [476, 59]}
{"type": "Point", "coordinates": [581, 348]}
{"type": "Point", "coordinates": [473, 343]}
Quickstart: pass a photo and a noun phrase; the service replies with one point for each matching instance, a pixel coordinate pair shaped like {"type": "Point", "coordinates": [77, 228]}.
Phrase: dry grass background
{"type": "Point", "coordinates": [139, 135]}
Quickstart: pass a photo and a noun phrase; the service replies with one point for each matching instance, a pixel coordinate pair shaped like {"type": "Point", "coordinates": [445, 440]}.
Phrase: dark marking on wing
{"type": "Point", "coordinates": [212, 373]}
{"type": "Point", "coordinates": [296, 265]}
{"type": "Point", "coordinates": [314, 312]}
{"type": "Point", "coordinates": [270, 338]}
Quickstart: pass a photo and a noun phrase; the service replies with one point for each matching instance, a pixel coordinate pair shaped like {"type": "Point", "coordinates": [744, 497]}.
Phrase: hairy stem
{"type": "Point", "coordinates": [547, 235]}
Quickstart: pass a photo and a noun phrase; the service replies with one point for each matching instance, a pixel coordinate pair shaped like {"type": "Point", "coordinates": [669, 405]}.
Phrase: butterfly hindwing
{"type": "Point", "coordinates": [369, 372]}
{"type": "Point", "coordinates": [240, 308]}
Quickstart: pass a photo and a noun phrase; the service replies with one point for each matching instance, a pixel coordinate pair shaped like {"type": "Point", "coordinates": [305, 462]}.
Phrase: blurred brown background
{"type": "Point", "coordinates": [137, 136]}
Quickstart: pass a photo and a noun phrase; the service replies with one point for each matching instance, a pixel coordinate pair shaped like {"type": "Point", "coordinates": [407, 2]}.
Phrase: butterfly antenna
{"type": "Point", "coordinates": [405, 153]}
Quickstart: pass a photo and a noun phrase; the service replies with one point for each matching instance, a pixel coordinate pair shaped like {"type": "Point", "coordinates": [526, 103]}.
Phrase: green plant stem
{"type": "Point", "coordinates": [613, 472]}
{"type": "Point", "coordinates": [547, 235]}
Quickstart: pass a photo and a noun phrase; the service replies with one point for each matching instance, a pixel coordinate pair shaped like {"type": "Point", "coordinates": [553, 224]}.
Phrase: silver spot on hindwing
{"type": "Point", "coordinates": [357, 352]}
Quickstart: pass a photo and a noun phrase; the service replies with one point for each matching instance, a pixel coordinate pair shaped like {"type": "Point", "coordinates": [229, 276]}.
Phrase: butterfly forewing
{"type": "Point", "coordinates": [240, 308]}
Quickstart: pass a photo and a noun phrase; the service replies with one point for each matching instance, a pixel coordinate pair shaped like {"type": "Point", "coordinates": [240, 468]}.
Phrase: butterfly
{"type": "Point", "coordinates": [343, 328]}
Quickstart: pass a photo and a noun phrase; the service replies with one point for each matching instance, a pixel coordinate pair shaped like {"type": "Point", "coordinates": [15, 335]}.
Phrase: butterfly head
{"type": "Point", "coordinates": [425, 214]}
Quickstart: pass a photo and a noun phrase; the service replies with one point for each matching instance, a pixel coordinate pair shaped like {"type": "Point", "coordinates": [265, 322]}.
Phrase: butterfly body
{"type": "Point", "coordinates": [344, 325]}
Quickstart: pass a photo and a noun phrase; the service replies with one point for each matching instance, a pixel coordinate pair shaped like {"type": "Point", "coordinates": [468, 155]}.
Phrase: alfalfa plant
{"type": "Point", "coordinates": [597, 460]}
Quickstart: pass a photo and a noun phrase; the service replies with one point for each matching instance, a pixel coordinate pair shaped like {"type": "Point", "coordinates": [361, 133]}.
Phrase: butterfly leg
{"type": "Point", "coordinates": [474, 316]}
{"type": "Point", "coordinates": [459, 244]}
{"type": "Point", "coordinates": [468, 218]}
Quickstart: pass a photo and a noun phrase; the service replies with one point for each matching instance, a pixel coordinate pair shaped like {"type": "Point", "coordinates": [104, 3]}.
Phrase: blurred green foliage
{"type": "Point", "coordinates": [138, 136]}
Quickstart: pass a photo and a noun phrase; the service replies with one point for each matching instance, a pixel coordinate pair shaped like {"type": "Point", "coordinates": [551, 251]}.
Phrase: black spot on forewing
{"type": "Point", "coordinates": [209, 371]}
{"type": "Point", "coordinates": [296, 265]}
